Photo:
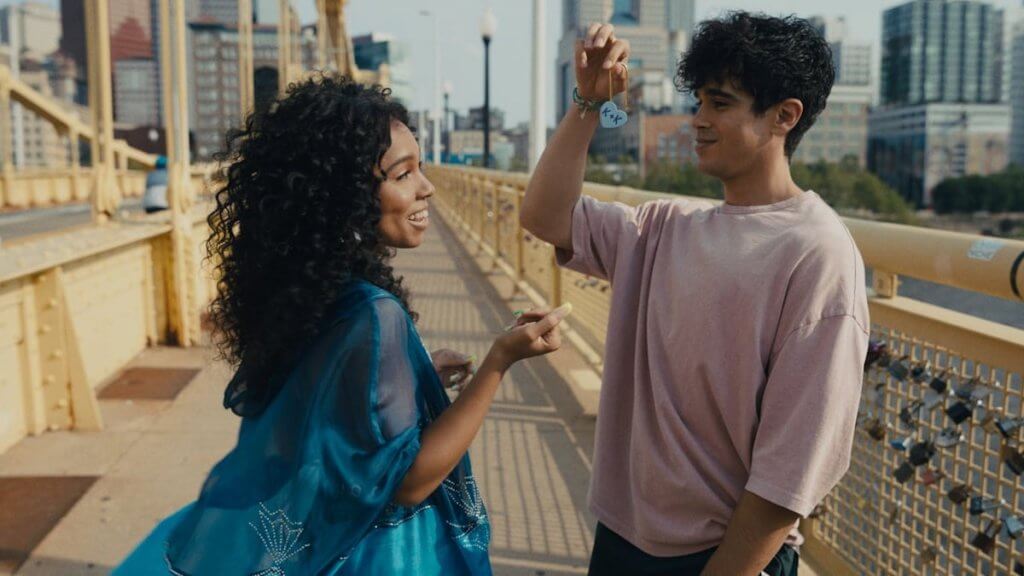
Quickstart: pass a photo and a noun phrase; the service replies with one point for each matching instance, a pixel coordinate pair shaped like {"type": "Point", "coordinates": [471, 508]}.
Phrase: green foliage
{"type": "Point", "coordinates": [845, 186]}
{"type": "Point", "coordinates": [687, 180]}
{"type": "Point", "coordinates": [1003, 192]}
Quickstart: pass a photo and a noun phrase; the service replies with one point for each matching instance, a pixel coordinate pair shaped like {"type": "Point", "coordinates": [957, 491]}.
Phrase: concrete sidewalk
{"type": "Point", "coordinates": [532, 458]}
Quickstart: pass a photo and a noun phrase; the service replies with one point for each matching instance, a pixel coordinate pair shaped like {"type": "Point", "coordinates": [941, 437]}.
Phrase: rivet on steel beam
{"type": "Point", "coordinates": [51, 379]}
{"type": "Point", "coordinates": [62, 403]}
{"type": "Point", "coordinates": [57, 354]}
{"type": "Point", "coordinates": [51, 303]}
{"type": "Point", "coordinates": [45, 329]}
{"type": "Point", "coordinates": [53, 427]}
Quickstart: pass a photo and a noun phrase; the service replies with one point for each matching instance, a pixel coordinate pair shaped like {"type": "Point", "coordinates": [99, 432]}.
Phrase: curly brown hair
{"type": "Point", "coordinates": [296, 220]}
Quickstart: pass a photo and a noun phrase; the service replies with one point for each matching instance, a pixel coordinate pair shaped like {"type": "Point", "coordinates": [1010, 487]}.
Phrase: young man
{"type": "Point", "coordinates": [737, 333]}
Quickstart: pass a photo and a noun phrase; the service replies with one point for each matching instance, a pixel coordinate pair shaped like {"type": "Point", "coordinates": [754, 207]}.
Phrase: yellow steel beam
{"type": "Point", "coordinates": [978, 263]}
{"type": "Point", "coordinates": [105, 195]}
{"type": "Point", "coordinates": [246, 87]}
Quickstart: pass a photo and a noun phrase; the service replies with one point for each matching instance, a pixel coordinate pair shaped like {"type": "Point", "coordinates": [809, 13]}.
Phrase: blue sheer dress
{"type": "Point", "coordinates": [308, 489]}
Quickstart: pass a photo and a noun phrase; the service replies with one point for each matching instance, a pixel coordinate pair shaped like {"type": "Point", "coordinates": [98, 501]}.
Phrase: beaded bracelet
{"type": "Point", "coordinates": [583, 104]}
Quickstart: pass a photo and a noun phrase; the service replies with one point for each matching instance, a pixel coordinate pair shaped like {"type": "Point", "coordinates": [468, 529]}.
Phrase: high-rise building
{"type": "Point", "coordinates": [136, 91]}
{"type": "Point", "coordinates": [223, 11]}
{"type": "Point", "coordinates": [943, 112]}
{"type": "Point", "coordinates": [658, 31]}
{"type": "Point", "coordinates": [841, 131]}
{"type": "Point", "coordinates": [914, 148]}
{"type": "Point", "coordinates": [214, 103]}
{"type": "Point", "coordinates": [38, 27]}
{"type": "Point", "coordinates": [1016, 94]}
{"type": "Point", "coordinates": [852, 60]}
{"type": "Point", "coordinates": [131, 37]}
{"type": "Point", "coordinates": [373, 50]}
{"type": "Point", "coordinates": [942, 51]}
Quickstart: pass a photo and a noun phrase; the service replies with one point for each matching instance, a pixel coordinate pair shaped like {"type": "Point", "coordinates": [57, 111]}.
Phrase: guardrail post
{"type": "Point", "coordinates": [496, 229]}
{"type": "Point", "coordinates": [520, 238]}
{"type": "Point", "coordinates": [556, 281]}
{"type": "Point", "coordinates": [76, 164]}
{"type": "Point", "coordinates": [885, 284]}
{"type": "Point", "coordinates": [478, 192]}
{"type": "Point", "coordinates": [5, 137]}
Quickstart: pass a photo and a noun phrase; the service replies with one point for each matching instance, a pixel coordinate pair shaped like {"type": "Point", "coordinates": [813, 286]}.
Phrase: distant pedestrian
{"type": "Point", "coordinates": [155, 197]}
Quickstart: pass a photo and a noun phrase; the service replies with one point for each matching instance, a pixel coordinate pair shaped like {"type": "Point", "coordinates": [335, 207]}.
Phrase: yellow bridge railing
{"type": "Point", "coordinates": [945, 391]}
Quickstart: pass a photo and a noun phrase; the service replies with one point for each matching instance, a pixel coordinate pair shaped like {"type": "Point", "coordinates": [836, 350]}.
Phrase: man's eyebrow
{"type": "Point", "coordinates": [405, 158]}
{"type": "Point", "coordinates": [716, 92]}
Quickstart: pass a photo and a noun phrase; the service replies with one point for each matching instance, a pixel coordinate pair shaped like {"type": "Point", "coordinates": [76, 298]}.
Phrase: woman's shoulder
{"type": "Point", "coordinates": [360, 297]}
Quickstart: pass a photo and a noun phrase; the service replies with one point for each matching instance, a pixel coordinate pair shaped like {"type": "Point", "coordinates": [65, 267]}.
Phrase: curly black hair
{"type": "Point", "coordinates": [295, 220]}
{"type": "Point", "coordinates": [771, 58]}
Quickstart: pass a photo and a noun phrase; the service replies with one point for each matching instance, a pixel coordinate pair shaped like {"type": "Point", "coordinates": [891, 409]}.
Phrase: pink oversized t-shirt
{"type": "Point", "coordinates": [734, 359]}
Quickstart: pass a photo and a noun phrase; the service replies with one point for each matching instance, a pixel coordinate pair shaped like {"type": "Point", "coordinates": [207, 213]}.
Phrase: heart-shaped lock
{"type": "Point", "coordinates": [612, 116]}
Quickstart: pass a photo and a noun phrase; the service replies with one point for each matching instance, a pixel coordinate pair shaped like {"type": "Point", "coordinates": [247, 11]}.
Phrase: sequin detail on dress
{"type": "Point", "coordinates": [280, 536]}
{"type": "Point", "coordinates": [475, 532]}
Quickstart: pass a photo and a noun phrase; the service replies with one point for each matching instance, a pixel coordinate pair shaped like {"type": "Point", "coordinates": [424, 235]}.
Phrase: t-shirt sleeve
{"type": "Point", "coordinates": [808, 412]}
{"type": "Point", "coordinates": [602, 232]}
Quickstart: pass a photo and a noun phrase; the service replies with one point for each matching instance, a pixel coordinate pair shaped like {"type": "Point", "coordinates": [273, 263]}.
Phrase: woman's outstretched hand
{"type": "Point", "coordinates": [597, 53]}
{"type": "Point", "coordinates": [534, 334]}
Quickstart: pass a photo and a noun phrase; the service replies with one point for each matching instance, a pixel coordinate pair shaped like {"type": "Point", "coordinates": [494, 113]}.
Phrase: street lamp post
{"type": "Point", "coordinates": [435, 147]}
{"type": "Point", "coordinates": [488, 25]}
{"type": "Point", "coordinates": [447, 157]}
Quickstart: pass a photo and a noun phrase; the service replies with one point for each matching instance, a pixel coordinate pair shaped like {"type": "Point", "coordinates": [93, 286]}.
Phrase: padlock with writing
{"type": "Point", "coordinates": [904, 472]}
{"type": "Point", "coordinates": [959, 493]}
{"type": "Point", "coordinates": [982, 504]}
{"type": "Point", "coordinates": [949, 437]}
{"type": "Point", "coordinates": [986, 539]}
{"type": "Point", "coordinates": [922, 453]}
{"type": "Point", "coordinates": [900, 369]}
{"type": "Point", "coordinates": [1008, 427]}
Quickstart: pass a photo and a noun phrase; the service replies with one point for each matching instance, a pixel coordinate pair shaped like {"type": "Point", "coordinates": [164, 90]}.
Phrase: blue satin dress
{"type": "Point", "coordinates": [308, 489]}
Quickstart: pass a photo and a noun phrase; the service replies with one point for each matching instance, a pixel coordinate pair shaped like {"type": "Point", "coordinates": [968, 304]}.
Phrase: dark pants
{"type": "Point", "coordinates": [614, 556]}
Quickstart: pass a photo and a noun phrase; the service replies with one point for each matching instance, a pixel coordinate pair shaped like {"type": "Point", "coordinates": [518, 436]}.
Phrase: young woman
{"type": "Point", "coordinates": [350, 458]}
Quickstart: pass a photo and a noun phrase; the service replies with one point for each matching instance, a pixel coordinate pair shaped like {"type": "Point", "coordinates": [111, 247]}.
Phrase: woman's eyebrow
{"type": "Point", "coordinates": [405, 158]}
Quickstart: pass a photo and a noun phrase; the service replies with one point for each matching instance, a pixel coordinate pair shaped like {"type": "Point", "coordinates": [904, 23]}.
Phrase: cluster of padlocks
{"type": "Point", "coordinates": [963, 401]}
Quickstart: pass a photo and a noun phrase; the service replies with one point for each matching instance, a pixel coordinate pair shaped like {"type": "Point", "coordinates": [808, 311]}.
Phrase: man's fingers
{"type": "Point", "coordinates": [618, 49]}
{"type": "Point", "coordinates": [602, 35]}
{"type": "Point", "coordinates": [592, 31]}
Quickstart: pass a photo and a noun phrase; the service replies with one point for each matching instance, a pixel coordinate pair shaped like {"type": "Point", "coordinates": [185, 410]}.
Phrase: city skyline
{"type": "Point", "coordinates": [462, 52]}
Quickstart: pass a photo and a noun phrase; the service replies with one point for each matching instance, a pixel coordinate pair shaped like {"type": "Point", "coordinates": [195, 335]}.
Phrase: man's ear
{"type": "Point", "coordinates": [787, 115]}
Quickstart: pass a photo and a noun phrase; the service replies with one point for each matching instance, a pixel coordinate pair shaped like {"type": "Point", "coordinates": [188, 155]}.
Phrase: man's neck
{"type": "Point", "coordinates": [768, 183]}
